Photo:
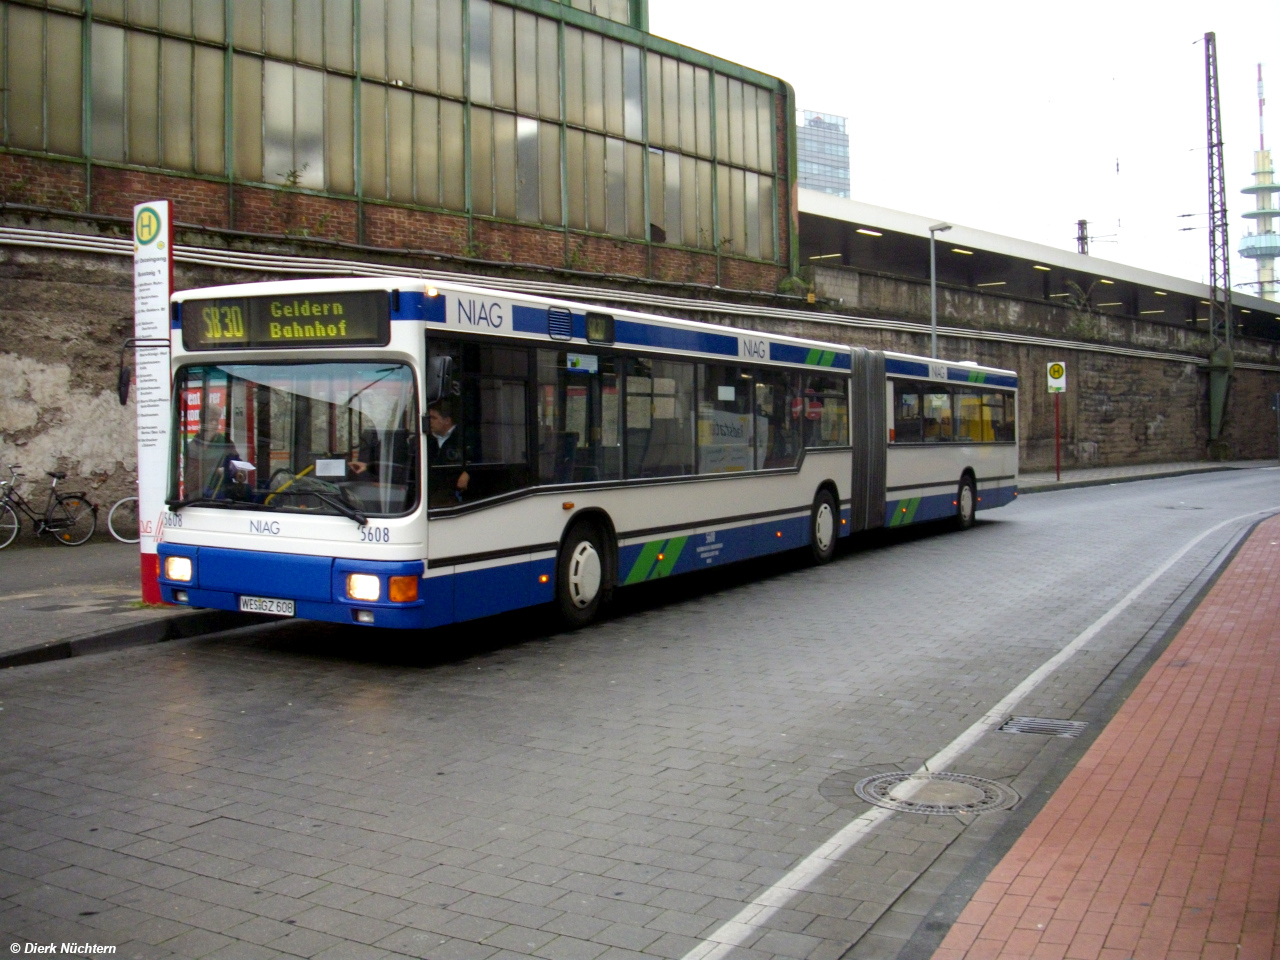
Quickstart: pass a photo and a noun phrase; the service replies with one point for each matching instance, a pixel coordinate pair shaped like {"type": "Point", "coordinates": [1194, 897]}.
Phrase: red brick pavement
{"type": "Point", "coordinates": [1164, 842]}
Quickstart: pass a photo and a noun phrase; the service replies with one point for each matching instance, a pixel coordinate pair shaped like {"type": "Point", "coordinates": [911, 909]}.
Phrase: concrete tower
{"type": "Point", "coordinates": [1263, 245]}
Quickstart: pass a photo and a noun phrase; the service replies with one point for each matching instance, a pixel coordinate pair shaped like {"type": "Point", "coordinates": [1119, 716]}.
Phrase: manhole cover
{"type": "Point", "coordinates": [935, 794]}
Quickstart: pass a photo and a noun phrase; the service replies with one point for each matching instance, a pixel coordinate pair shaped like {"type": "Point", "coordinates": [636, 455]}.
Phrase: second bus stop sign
{"type": "Point", "coordinates": [1057, 377]}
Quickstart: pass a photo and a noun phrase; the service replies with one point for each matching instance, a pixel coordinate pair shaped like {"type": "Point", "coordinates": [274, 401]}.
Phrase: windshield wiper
{"type": "Point", "coordinates": [343, 508]}
{"type": "Point", "coordinates": [212, 502]}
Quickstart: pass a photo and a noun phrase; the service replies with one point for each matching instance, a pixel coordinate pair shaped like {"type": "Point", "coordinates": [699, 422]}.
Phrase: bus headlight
{"type": "Point", "coordinates": [177, 568]}
{"type": "Point", "coordinates": [363, 586]}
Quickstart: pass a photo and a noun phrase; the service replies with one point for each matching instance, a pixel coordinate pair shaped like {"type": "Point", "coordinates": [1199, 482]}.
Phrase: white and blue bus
{"type": "Point", "coordinates": [407, 454]}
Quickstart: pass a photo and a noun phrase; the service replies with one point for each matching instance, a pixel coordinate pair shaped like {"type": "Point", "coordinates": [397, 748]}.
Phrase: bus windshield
{"type": "Point", "coordinates": [319, 438]}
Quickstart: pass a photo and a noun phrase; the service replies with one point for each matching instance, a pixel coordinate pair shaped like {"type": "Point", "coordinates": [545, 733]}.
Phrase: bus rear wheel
{"type": "Point", "coordinates": [822, 527]}
{"type": "Point", "coordinates": [581, 574]}
{"type": "Point", "coordinates": [966, 503]}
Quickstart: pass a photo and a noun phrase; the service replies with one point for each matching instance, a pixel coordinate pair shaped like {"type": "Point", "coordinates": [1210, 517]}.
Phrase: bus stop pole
{"type": "Point", "coordinates": [1057, 435]}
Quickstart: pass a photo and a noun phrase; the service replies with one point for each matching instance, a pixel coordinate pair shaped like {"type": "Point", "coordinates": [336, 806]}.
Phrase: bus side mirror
{"type": "Point", "coordinates": [439, 378]}
{"type": "Point", "coordinates": [122, 382]}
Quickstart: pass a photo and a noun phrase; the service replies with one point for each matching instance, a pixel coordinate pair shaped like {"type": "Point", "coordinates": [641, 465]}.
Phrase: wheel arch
{"type": "Point", "coordinates": [603, 523]}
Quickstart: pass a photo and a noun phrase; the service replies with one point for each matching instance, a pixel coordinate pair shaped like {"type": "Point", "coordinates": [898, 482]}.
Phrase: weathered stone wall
{"type": "Point", "coordinates": [63, 317]}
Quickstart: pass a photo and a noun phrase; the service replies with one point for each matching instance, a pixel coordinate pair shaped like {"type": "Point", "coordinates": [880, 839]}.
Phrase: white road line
{"type": "Point", "coordinates": [735, 932]}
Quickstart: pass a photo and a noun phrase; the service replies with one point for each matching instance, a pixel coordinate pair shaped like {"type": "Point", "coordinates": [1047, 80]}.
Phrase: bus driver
{"type": "Point", "coordinates": [444, 447]}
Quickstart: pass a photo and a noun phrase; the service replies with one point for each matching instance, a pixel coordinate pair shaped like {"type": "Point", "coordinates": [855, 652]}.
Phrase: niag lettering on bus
{"type": "Point", "coordinates": [752, 348]}
{"type": "Point", "coordinates": [480, 313]}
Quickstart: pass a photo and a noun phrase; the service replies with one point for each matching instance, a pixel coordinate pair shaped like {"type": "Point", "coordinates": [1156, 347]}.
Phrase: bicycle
{"type": "Point", "coordinates": [122, 521]}
{"type": "Point", "coordinates": [68, 516]}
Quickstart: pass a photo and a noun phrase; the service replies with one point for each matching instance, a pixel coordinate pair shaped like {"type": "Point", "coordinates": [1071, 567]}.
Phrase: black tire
{"type": "Point", "coordinates": [824, 527]}
{"type": "Point", "coordinates": [10, 524]}
{"type": "Point", "coordinates": [122, 521]}
{"type": "Point", "coordinates": [582, 575]}
{"type": "Point", "coordinates": [73, 520]}
{"type": "Point", "coordinates": [966, 503]}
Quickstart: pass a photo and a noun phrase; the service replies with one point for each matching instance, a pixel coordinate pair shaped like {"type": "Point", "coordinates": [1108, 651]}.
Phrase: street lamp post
{"type": "Point", "coordinates": [933, 288]}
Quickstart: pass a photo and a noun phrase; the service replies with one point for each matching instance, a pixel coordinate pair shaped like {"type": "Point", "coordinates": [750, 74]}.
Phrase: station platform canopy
{"type": "Point", "coordinates": [837, 232]}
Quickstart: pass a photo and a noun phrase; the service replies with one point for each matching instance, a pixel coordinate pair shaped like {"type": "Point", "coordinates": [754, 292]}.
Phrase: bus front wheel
{"type": "Point", "coordinates": [966, 503]}
{"type": "Point", "coordinates": [580, 575]}
{"type": "Point", "coordinates": [822, 527]}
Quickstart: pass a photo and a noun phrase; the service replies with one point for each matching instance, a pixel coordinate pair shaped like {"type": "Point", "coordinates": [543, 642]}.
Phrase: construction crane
{"type": "Point", "coordinates": [1221, 358]}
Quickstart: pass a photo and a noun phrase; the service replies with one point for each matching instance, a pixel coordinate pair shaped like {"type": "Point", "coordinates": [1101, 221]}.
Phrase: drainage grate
{"type": "Point", "coordinates": [1047, 728]}
{"type": "Point", "coordinates": [935, 794]}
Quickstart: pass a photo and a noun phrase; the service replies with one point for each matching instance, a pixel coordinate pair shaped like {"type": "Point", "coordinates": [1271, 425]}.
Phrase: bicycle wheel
{"type": "Point", "coordinates": [122, 521]}
{"type": "Point", "coordinates": [10, 524]}
{"type": "Point", "coordinates": [73, 520]}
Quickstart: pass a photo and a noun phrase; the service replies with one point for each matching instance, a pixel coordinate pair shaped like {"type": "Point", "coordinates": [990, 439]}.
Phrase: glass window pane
{"type": "Point", "coordinates": [246, 121]}
{"type": "Point", "coordinates": [451, 48]}
{"type": "Point", "coordinates": [724, 211]}
{"type": "Point", "coordinates": [633, 121]}
{"type": "Point", "coordinates": [144, 100]}
{"type": "Point", "coordinates": [579, 439]}
{"type": "Point", "coordinates": [689, 203]}
{"type": "Point", "coordinates": [65, 90]}
{"type": "Point", "coordinates": [339, 131]}
{"type": "Point", "coordinates": [573, 103]}
{"type": "Point", "coordinates": [210, 20]}
{"type": "Point", "coordinates": [653, 96]}
{"type": "Point", "coordinates": [481, 68]}
{"type": "Point", "coordinates": [210, 135]}
{"type": "Point", "coordinates": [970, 423]}
{"type": "Point", "coordinates": [400, 40]}
{"type": "Point", "coordinates": [672, 199]}
{"type": "Point", "coordinates": [277, 27]}
{"type": "Point", "coordinates": [26, 77]}
{"type": "Point", "coordinates": [593, 79]}
{"type": "Point", "coordinates": [308, 127]}
{"type": "Point", "coordinates": [144, 13]}
{"type": "Point", "coordinates": [175, 17]}
{"type": "Point", "coordinates": [277, 123]}
{"type": "Point", "coordinates": [767, 220]}
{"type": "Point", "coordinates": [426, 150]}
{"type": "Point", "coordinates": [657, 208]}
{"type": "Point", "coordinates": [575, 176]}
{"type": "Point", "coordinates": [659, 418]}
{"type": "Point", "coordinates": [726, 419]}
{"type": "Point", "coordinates": [246, 24]}
{"type": "Point", "coordinates": [722, 117]}
{"type": "Point", "coordinates": [616, 186]}
{"type": "Point", "coordinates": [373, 38]}
{"type": "Point", "coordinates": [613, 87]}
{"type": "Point", "coordinates": [595, 183]}
{"type": "Point", "coordinates": [548, 69]}
{"type": "Point", "coordinates": [74, 5]}
{"type": "Point", "coordinates": [705, 230]}
{"type": "Point", "coordinates": [338, 38]}
{"type": "Point", "coordinates": [527, 207]}
{"type": "Point", "coordinates": [734, 112]}
{"type": "Point", "coordinates": [826, 411]}
{"type": "Point", "coordinates": [111, 9]}
{"type": "Point", "coordinates": [308, 31]}
{"type": "Point", "coordinates": [482, 161]}
{"type": "Point", "coordinates": [635, 191]}
{"type": "Point", "coordinates": [670, 104]}
{"type": "Point", "coordinates": [452, 186]}
{"type": "Point", "coordinates": [688, 111]}
{"type": "Point", "coordinates": [751, 201]}
{"type": "Point", "coordinates": [778, 424]}
{"type": "Point", "coordinates": [549, 172]}
{"type": "Point", "coordinates": [175, 91]}
{"type": "Point", "coordinates": [702, 101]}
{"type": "Point", "coordinates": [425, 39]}
{"type": "Point", "coordinates": [764, 129]}
{"type": "Point", "coordinates": [526, 63]}
{"type": "Point", "coordinates": [502, 56]}
{"type": "Point", "coordinates": [373, 140]}
{"type": "Point", "coordinates": [504, 143]}
{"type": "Point", "coordinates": [750, 140]}
{"type": "Point", "coordinates": [400, 144]}
{"type": "Point", "coordinates": [939, 426]}
{"type": "Point", "coordinates": [907, 427]}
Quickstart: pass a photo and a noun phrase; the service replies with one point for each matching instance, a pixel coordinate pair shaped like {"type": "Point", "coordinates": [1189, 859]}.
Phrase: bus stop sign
{"type": "Point", "coordinates": [1057, 377]}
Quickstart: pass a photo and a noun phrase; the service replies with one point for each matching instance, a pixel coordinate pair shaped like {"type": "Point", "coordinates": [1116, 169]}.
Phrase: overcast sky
{"type": "Point", "coordinates": [1011, 117]}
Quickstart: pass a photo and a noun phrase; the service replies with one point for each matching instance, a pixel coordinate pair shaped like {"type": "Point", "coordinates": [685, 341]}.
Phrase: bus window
{"type": "Point", "coordinates": [906, 412]}
{"type": "Point", "coordinates": [972, 423]}
{"type": "Point", "coordinates": [726, 425]}
{"type": "Point", "coordinates": [659, 418]}
{"type": "Point", "coordinates": [826, 413]}
{"type": "Point", "coordinates": [579, 440]}
{"type": "Point", "coordinates": [939, 426]}
{"type": "Point", "coordinates": [779, 419]}
{"type": "Point", "coordinates": [998, 412]}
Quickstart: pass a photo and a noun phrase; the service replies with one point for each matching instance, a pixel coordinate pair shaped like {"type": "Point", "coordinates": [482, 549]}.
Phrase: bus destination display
{"type": "Point", "coordinates": [310, 320]}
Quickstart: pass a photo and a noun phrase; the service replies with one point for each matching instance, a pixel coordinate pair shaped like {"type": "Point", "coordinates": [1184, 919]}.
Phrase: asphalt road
{"type": "Point", "coordinates": [504, 790]}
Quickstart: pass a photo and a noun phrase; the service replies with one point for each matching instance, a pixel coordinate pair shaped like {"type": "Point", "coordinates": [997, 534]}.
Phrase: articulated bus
{"type": "Point", "coordinates": [406, 454]}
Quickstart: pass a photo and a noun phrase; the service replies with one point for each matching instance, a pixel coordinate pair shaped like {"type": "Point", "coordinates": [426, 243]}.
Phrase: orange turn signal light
{"type": "Point", "coordinates": [403, 589]}
{"type": "Point", "coordinates": [567, 505]}
{"type": "Point", "coordinates": [544, 578]}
